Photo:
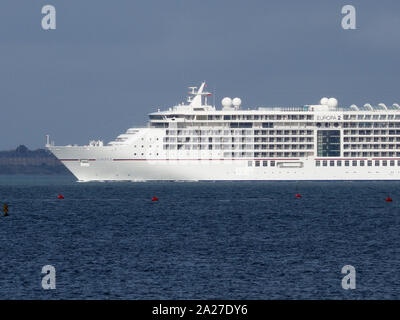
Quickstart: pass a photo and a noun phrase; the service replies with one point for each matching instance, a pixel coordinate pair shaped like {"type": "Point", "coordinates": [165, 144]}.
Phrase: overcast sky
{"type": "Point", "coordinates": [110, 63]}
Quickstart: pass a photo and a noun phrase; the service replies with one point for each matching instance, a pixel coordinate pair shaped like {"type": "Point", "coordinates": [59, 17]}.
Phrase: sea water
{"type": "Point", "coordinates": [200, 240]}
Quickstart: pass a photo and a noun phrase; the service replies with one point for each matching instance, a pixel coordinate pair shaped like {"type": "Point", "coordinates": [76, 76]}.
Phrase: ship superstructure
{"type": "Point", "coordinates": [197, 141]}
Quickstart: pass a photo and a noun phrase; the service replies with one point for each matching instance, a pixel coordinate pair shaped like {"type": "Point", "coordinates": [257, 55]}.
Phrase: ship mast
{"type": "Point", "coordinates": [195, 98]}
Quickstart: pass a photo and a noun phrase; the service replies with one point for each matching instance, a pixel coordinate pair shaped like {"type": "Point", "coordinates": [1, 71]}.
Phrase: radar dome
{"type": "Point", "coordinates": [236, 102]}
{"type": "Point", "coordinates": [226, 102]}
{"type": "Point", "coordinates": [324, 101]}
{"type": "Point", "coordinates": [332, 102]}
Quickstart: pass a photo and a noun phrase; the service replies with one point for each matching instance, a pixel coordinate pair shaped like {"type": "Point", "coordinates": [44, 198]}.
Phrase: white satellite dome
{"type": "Point", "coordinates": [236, 102]}
{"type": "Point", "coordinates": [226, 102]}
{"type": "Point", "coordinates": [324, 101]}
{"type": "Point", "coordinates": [332, 102]}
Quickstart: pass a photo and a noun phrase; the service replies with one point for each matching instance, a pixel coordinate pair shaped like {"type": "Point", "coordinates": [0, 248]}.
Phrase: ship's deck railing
{"type": "Point", "coordinates": [293, 108]}
{"type": "Point", "coordinates": [337, 109]}
{"type": "Point", "coordinates": [306, 108]}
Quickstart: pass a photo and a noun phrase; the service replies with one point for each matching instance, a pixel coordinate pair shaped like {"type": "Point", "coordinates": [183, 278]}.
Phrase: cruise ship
{"type": "Point", "coordinates": [196, 141]}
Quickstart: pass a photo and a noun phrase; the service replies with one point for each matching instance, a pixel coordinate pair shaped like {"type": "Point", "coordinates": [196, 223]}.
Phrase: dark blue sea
{"type": "Point", "coordinates": [201, 240]}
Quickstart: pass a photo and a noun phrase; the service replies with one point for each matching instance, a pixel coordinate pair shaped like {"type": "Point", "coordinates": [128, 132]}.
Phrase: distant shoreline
{"type": "Point", "coordinates": [25, 161]}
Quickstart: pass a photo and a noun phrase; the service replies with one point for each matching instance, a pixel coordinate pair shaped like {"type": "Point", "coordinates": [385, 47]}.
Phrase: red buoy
{"type": "Point", "coordinates": [298, 195]}
{"type": "Point", "coordinates": [60, 196]}
{"type": "Point", "coordinates": [389, 199]}
{"type": "Point", "coordinates": [154, 199]}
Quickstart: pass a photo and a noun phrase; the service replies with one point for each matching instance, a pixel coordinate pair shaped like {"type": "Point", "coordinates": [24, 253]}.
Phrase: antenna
{"type": "Point", "coordinates": [215, 93]}
{"type": "Point", "coordinates": [193, 90]}
{"type": "Point", "coordinates": [196, 100]}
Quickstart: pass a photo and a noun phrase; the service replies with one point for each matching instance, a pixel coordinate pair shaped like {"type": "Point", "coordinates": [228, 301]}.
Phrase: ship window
{"type": "Point", "coordinates": [384, 163]}
{"type": "Point", "coordinates": [268, 125]}
{"type": "Point", "coordinates": [317, 163]}
{"type": "Point", "coordinates": [354, 163]}
{"type": "Point", "coordinates": [346, 163]}
{"type": "Point", "coordinates": [324, 163]}
{"type": "Point", "coordinates": [272, 163]}
{"type": "Point", "coordinates": [376, 163]}
{"type": "Point", "coordinates": [265, 163]}
{"type": "Point", "coordinates": [361, 163]}
{"type": "Point", "coordinates": [328, 143]}
{"type": "Point", "coordinates": [391, 163]}
{"type": "Point", "coordinates": [369, 163]}
{"type": "Point", "coordinates": [250, 163]}
{"type": "Point", "coordinates": [157, 117]}
{"type": "Point", "coordinates": [332, 163]}
{"type": "Point", "coordinates": [257, 163]}
{"type": "Point", "coordinates": [339, 163]}
{"type": "Point", "coordinates": [398, 162]}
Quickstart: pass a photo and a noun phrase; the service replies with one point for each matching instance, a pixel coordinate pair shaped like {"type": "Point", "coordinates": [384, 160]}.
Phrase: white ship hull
{"type": "Point", "coordinates": [104, 164]}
